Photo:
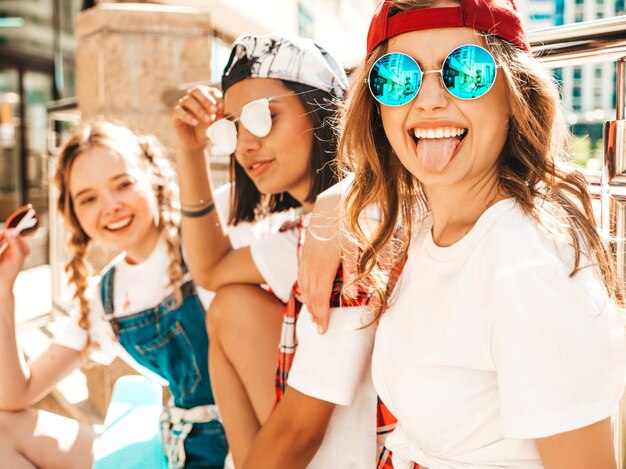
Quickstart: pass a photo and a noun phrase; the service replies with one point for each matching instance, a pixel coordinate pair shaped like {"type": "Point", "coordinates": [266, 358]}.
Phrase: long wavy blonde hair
{"type": "Point", "coordinates": [534, 167]}
{"type": "Point", "coordinates": [147, 154]}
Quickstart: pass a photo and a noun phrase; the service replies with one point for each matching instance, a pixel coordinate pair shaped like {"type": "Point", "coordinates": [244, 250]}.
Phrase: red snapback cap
{"type": "Point", "coordinates": [498, 17]}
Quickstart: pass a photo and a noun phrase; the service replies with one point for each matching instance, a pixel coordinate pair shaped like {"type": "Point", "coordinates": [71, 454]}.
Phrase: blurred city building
{"type": "Point", "coordinates": [36, 67]}
{"type": "Point", "coordinates": [338, 25]}
{"type": "Point", "coordinates": [588, 91]}
{"type": "Point", "coordinates": [40, 78]}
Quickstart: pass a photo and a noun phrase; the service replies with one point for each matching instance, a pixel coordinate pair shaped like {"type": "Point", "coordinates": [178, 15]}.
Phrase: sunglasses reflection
{"type": "Point", "coordinates": [24, 221]}
{"type": "Point", "coordinates": [395, 79]}
{"type": "Point", "coordinates": [467, 73]}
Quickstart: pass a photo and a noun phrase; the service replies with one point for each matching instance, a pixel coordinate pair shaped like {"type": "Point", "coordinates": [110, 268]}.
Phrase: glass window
{"type": "Point", "coordinates": [614, 80]}
{"type": "Point", "coordinates": [220, 52]}
{"type": "Point", "coordinates": [37, 94]}
{"type": "Point", "coordinates": [541, 16]}
{"type": "Point", "coordinates": [36, 35]}
{"type": "Point", "coordinates": [578, 73]}
{"type": "Point", "coordinates": [10, 189]}
{"type": "Point", "coordinates": [306, 21]}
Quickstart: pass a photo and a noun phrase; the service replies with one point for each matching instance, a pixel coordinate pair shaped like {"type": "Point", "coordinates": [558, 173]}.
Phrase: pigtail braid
{"type": "Point", "coordinates": [79, 271]}
{"type": "Point", "coordinates": [168, 209]}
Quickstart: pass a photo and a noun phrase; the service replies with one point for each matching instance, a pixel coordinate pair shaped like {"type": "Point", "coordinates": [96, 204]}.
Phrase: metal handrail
{"type": "Point", "coordinates": [590, 42]}
{"type": "Point", "coordinates": [574, 44]}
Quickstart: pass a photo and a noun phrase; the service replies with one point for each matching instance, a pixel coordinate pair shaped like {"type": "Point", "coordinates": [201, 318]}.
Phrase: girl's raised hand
{"type": "Point", "coordinates": [194, 113]}
{"type": "Point", "coordinates": [11, 260]}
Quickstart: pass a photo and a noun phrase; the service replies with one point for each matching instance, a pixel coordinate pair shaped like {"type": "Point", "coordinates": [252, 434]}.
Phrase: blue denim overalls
{"type": "Point", "coordinates": [173, 343]}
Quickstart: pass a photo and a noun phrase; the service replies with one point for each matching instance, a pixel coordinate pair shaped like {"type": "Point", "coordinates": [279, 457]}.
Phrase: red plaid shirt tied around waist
{"type": "Point", "coordinates": [385, 421]}
{"type": "Point", "coordinates": [288, 340]}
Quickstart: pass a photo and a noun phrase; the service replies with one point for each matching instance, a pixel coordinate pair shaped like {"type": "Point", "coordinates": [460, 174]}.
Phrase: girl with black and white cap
{"type": "Point", "coordinates": [275, 119]}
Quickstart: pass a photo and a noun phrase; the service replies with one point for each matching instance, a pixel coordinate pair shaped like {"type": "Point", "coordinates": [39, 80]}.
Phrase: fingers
{"type": "Point", "coordinates": [202, 104]}
{"type": "Point", "coordinates": [350, 272]}
{"type": "Point", "coordinates": [13, 246]}
{"type": "Point", "coordinates": [22, 245]}
{"type": "Point", "coordinates": [316, 276]}
{"type": "Point", "coordinates": [320, 299]}
{"type": "Point", "coordinates": [180, 114]}
{"type": "Point", "coordinates": [194, 113]}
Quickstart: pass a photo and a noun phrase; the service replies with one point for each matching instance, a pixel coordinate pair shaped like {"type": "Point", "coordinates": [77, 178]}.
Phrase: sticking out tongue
{"type": "Point", "coordinates": [434, 154]}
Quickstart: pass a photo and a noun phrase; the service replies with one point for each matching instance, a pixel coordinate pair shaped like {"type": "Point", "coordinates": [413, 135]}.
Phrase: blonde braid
{"type": "Point", "coordinates": [79, 270]}
{"type": "Point", "coordinates": [169, 209]}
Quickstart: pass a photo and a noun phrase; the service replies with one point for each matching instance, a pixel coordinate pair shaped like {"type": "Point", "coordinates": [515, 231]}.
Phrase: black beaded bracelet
{"type": "Point", "coordinates": [198, 213]}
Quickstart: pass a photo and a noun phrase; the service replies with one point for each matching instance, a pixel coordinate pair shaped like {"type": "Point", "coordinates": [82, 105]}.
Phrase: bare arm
{"type": "Point", "coordinates": [293, 433]}
{"type": "Point", "coordinates": [324, 249]}
{"type": "Point", "coordinates": [212, 260]}
{"type": "Point", "coordinates": [24, 383]}
{"type": "Point", "coordinates": [586, 447]}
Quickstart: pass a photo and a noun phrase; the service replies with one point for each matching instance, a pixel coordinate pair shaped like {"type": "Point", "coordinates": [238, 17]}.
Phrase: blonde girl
{"type": "Point", "coordinates": [501, 345]}
{"type": "Point", "coordinates": [117, 188]}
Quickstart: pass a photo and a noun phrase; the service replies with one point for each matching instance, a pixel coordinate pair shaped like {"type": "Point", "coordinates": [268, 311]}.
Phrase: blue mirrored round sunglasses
{"type": "Point", "coordinates": [468, 72]}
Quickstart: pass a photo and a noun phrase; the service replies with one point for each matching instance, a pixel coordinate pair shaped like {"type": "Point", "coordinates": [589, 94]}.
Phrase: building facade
{"type": "Point", "coordinates": [588, 91]}
{"type": "Point", "coordinates": [37, 68]}
{"type": "Point", "coordinates": [338, 25]}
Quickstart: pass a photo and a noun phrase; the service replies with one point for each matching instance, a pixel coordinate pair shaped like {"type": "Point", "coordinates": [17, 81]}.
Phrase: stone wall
{"type": "Point", "coordinates": [130, 55]}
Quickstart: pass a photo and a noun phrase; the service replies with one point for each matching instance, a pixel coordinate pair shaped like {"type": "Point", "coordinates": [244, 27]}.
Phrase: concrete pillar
{"type": "Point", "coordinates": [129, 55]}
{"type": "Point", "coordinates": [131, 60]}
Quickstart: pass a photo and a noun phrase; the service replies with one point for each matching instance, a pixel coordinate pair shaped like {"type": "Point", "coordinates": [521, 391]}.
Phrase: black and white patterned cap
{"type": "Point", "coordinates": [285, 58]}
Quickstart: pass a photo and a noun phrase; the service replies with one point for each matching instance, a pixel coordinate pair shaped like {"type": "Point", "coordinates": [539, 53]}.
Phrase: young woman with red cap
{"type": "Point", "coordinates": [501, 344]}
{"type": "Point", "coordinates": [275, 119]}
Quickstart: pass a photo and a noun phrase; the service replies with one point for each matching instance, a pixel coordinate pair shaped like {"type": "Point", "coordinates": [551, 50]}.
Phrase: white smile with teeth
{"type": "Point", "coordinates": [440, 132]}
{"type": "Point", "coordinates": [256, 165]}
{"type": "Point", "coordinates": [118, 225]}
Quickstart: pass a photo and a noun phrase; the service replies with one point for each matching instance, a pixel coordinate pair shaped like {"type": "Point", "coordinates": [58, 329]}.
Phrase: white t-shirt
{"type": "Point", "coordinates": [489, 344]}
{"type": "Point", "coordinates": [138, 287]}
{"type": "Point", "coordinates": [334, 367]}
{"type": "Point", "coordinates": [276, 258]}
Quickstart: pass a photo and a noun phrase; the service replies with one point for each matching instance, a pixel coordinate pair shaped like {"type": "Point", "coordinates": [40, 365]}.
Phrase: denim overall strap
{"type": "Point", "coordinates": [170, 339]}
{"type": "Point", "coordinates": [106, 291]}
